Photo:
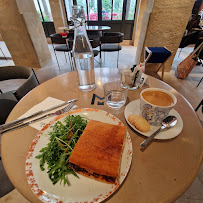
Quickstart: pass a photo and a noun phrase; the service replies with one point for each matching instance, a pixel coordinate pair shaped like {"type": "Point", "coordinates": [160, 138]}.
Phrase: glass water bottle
{"type": "Point", "coordinates": [83, 55]}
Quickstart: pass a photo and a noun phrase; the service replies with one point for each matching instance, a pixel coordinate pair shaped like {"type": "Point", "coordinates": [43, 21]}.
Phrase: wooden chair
{"type": "Point", "coordinates": [156, 55]}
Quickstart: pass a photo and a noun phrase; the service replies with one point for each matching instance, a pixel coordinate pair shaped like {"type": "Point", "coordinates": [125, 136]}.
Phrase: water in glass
{"type": "Point", "coordinates": [82, 52]}
{"type": "Point", "coordinates": [85, 71]}
{"type": "Point", "coordinates": [115, 99]}
{"type": "Point", "coordinates": [115, 95]}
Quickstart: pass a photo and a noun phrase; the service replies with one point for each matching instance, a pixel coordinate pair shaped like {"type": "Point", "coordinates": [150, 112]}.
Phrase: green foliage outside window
{"type": "Point", "coordinates": [106, 4]}
{"type": "Point", "coordinates": [46, 17]}
{"type": "Point", "coordinates": [92, 5]}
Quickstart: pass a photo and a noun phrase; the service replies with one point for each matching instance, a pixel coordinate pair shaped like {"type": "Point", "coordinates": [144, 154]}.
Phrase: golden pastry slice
{"type": "Point", "coordinates": [139, 122]}
{"type": "Point", "coordinates": [98, 152]}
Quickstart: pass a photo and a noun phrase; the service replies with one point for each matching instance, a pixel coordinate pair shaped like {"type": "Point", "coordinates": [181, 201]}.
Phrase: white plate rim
{"type": "Point", "coordinates": [28, 166]}
{"type": "Point", "coordinates": [164, 135]}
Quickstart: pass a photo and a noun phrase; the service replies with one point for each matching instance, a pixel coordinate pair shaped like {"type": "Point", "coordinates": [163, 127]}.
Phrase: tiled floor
{"type": "Point", "coordinates": [186, 87]}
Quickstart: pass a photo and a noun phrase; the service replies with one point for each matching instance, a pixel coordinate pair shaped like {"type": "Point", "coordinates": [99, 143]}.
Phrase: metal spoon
{"type": "Point", "coordinates": [168, 122]}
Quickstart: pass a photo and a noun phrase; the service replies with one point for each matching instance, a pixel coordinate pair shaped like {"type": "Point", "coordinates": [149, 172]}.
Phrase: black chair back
{"type": "Point", "coordinates": [95, 42]}
{"type": "Point", "coordinates": [112, 37]}
{"type": "Point", "coordinates": [20, 72]}
{"type": "Point", "coordinates": [14, 72]}
{"type": "Point", "coordinates": [57, 39]}
{"type": "Point", "coordinates": [27, 86]}
{"type": "Point", "coordinates": [9, 99]}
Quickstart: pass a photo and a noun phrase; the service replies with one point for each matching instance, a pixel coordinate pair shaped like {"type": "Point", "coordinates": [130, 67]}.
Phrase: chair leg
{"type": "Point", "coordinates": [57, 59]}
{"type": "Point", "coordinates": [96, 61]}
{"type": "Point", "coordinates": [69, 58]}
{"type": "Point", "coordinates": [55, 56]}
{"type": "Point", "coordinates": [100, 51]}
{"type": "Point", "coordinates": [201, 103]}
{"type": "Point", "coordinates": [72, 62]}
{"type": "Point", "coordinates": [3, 54]}
{"type": "Point", "coordinates": [200, 81]}
{"type": "Point", "coordinates": [65, 57]}
{"type": "Point", "coordinates": [159, 67]}
{"type": "Point", "coordinates": [180, 52]}
{"type": "Point", "coordinates": [162, 72]}
{"type": "Point", "coordinates": [117, 59]}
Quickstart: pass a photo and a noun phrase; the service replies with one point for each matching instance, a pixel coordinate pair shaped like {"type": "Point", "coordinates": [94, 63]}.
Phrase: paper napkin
{"type": "Point", "coordinates": [44, 105]}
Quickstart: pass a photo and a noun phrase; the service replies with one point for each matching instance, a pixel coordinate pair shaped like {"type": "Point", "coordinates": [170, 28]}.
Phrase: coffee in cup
{"type": "Point", "coordinates": [155, 104]}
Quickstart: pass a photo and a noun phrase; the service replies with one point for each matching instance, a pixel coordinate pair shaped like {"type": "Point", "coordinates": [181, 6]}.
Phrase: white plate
{"type": "Point", "coordinates": [134, 108]}
{"type": "Point", "coordinates": [82, 189]}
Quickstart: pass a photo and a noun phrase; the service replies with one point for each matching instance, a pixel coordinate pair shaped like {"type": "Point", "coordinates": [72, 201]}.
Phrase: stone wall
{"type": "Point", "coordinates": [23, 33]}
{"type": "Point", "coordinates": [141, 7]}
{"type": "Point", "coordinates": [35, 30]}
{"type": "Point", "coordinates": [166, 26]}
{"type": "Point", "coordinates": [58, 14]}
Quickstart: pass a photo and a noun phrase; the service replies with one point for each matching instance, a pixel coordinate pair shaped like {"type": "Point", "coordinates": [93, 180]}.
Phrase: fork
{"type": "Point", "coordinates": [57, 113]}
{"type": "Point", "coordinates": [32, 116]}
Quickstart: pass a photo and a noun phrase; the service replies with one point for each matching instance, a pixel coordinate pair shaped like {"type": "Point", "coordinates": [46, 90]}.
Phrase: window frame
{"type": "Point", "coordinates": [99, 11]}
{"type": "Point", "coordinates": [122, 25]}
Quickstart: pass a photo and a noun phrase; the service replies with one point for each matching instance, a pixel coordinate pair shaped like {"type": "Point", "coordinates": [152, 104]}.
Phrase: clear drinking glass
{"type": "Point", "coordinates": [115, 95]}
{"type": "Point", "coordinates": [82, 52]}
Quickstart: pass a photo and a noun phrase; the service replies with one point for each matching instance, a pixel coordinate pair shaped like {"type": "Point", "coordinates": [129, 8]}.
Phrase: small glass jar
{"type": "Point", "coordinates": [128, 78]}
{"type": "Point", "coordinates": [115, 95]}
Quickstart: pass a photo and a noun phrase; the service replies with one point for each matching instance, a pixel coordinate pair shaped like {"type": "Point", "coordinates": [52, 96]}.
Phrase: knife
{"type": "Point", "coordinates": [21, 120]}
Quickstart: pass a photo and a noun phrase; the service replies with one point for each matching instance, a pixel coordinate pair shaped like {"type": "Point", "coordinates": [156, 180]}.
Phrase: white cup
{"type": "Point", "coordinates": [155, 114]}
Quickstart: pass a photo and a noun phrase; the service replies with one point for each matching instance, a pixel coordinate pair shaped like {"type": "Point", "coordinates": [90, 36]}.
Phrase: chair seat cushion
{"type": "Point", "coordinates": [62, 48]}
{"type": "Point", "coordinates": [159, 54]}
{"type": "Point", "coordinates": [111, 47]}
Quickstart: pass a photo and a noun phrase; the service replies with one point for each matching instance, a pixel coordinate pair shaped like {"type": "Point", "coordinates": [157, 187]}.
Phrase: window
{"type": "Point", "coordinates": [109, 9]}
{"type": "Point", "coordinates": [130, 9]}
{"type": "Point", "coordinates": [83, 3]}
{"type": "Point", "coordinates": [117, 10]}
{"type": "Point", "coordinates": [68, 6]}
{"type": "Point", "coordinates": [118, 14]}
{"type": "Point", "coordinates": [92, 10]}
{"type": "Point", "coordinates": [106, 9]}
{"type": "Point", "coordinates": [44, 10]}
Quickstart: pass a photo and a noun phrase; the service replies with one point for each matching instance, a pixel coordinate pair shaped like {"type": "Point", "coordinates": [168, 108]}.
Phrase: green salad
{"type": "Point", "coordinates": [62, 141]}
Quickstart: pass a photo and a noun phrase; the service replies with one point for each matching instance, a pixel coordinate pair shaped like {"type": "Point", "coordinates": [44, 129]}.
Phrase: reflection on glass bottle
{"type": "Point", "coordinates": [82, 52]}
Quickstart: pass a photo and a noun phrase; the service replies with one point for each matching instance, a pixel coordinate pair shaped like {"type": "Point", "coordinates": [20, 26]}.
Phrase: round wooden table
{"type": "Point", "coordinates": [161, 173]}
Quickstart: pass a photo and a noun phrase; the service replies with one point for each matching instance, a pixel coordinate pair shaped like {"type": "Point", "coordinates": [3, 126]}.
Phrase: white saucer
{"type": "Point", "coordinates": [134, 108]}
